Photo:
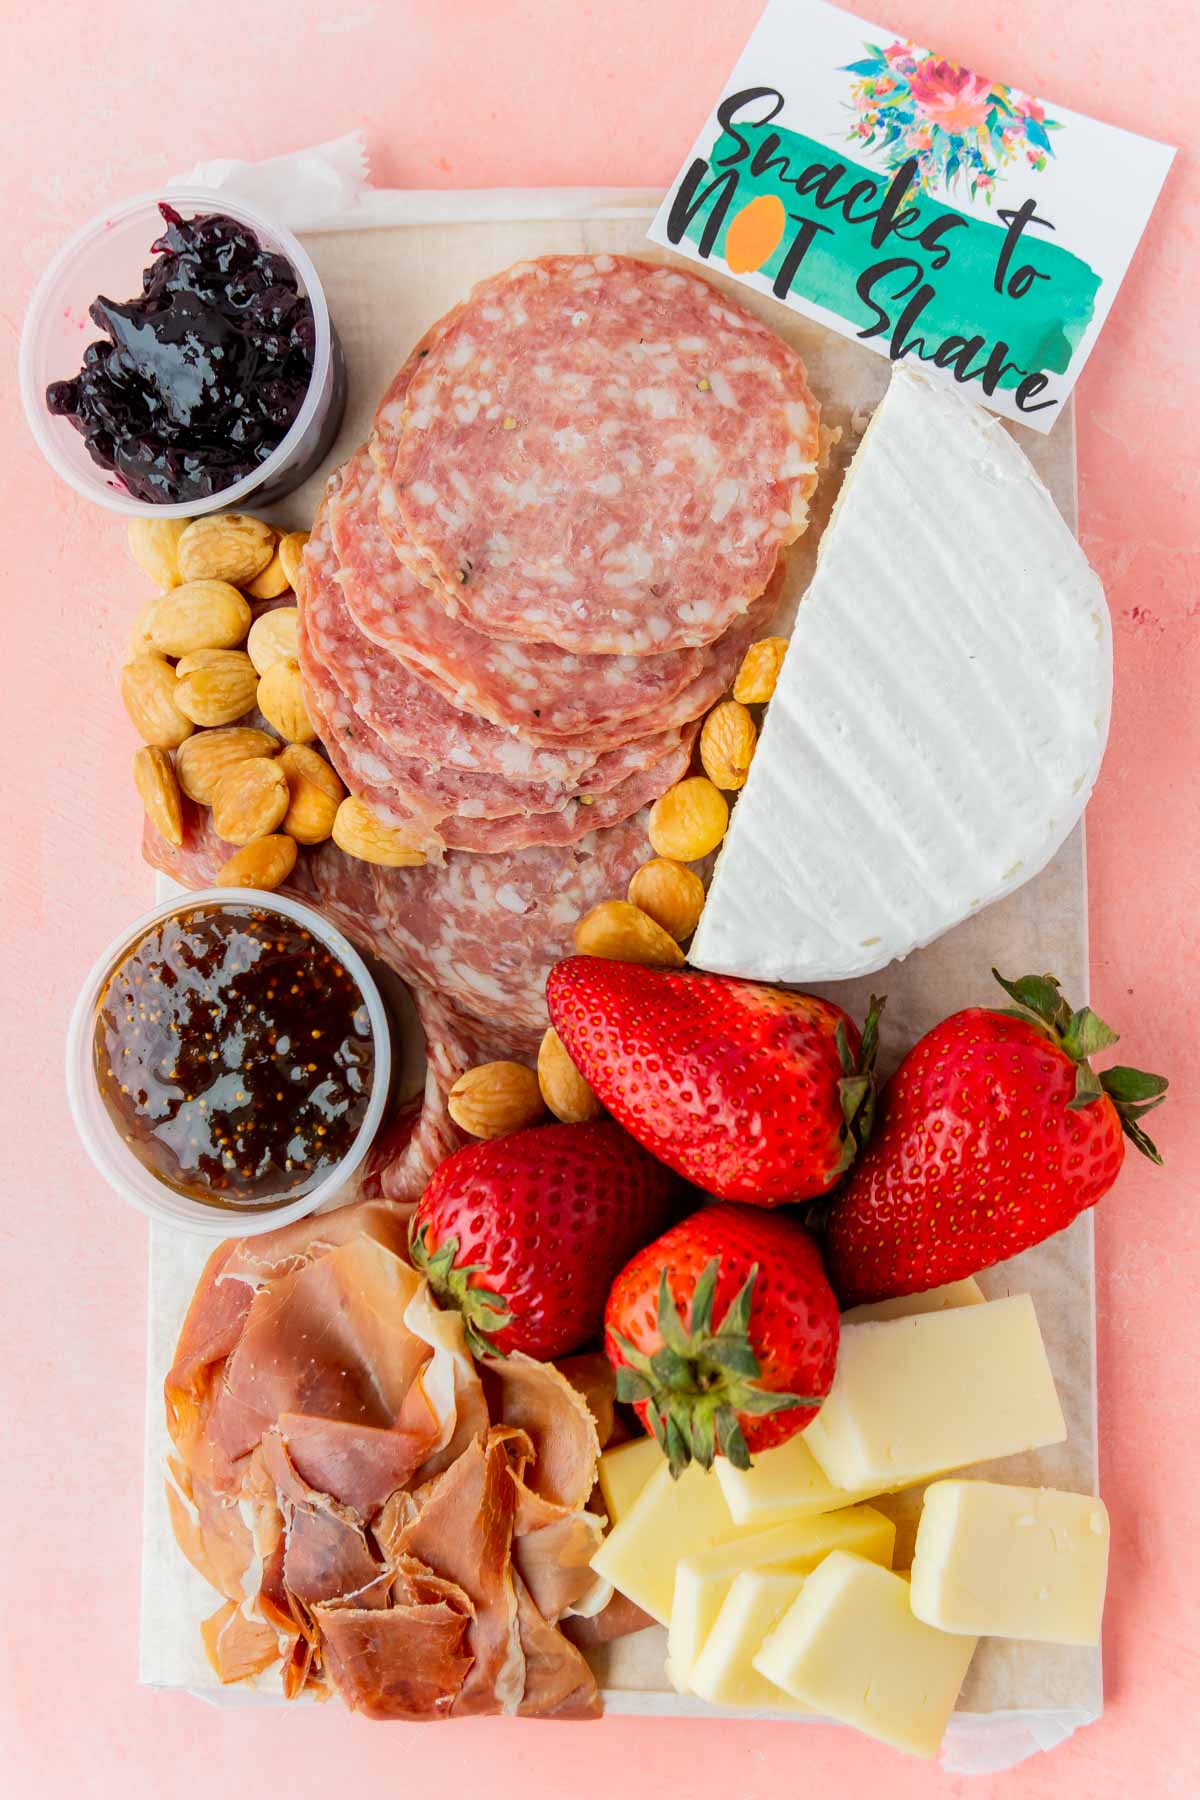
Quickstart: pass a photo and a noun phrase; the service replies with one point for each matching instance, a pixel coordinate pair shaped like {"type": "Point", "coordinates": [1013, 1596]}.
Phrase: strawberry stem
{"type": "Point", "coordinates": [857, 1088]}
{"type": "Point", "coordinates": [1081, 1035]}
{"type": "Point", "coordinates": [695, 1386]}
{"type": "Point", "coordinates": [452, 1285]}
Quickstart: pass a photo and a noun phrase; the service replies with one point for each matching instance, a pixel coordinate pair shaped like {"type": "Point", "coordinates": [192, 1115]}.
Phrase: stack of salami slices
{"type": "Point", "coordinates": [521, 597]}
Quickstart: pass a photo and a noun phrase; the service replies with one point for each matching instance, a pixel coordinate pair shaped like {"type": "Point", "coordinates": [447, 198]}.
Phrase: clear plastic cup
{"type": "Point", "coordinates": [109, 1151]}
{"type": "Point", "coordinates": [108, 257]}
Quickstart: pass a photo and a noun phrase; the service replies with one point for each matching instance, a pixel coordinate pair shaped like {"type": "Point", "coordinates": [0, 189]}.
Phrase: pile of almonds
{"type": "Point", "coordinates": [660, 912]}
{"type": "Point", "coordinates": [199, 663]}
{"type": "Point", "coordinates": [200, 666]}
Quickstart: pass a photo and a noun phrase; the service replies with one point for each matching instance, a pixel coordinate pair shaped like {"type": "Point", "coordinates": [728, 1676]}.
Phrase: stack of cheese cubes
{"type": "Point", "coordinates": [776, 1583]}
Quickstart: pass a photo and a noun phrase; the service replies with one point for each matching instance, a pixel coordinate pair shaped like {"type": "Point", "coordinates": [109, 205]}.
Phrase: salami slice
{"type": "Point", "coordinates": [337, 661]}
{"type": "Point", "coordinates": [407, 711]}
{"type": "Point", "coordinates": [483, 932]}
{"type": "Point", "coordinates": [534, 689]}
{"type": "Point", "coordinates": [599, 453]}
{"type": "Point", "coordinates": [362, 763]}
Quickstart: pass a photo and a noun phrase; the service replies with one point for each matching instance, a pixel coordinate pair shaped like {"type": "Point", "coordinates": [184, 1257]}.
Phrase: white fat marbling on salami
{"type": "Point", "coordinates": [566, 471]}
{"type": "Point", "coordinates": [450, 930]}
{"type": "Point", "coordinates": [438, 805]}
{"type": "Point", "coordinates": [537, 690]}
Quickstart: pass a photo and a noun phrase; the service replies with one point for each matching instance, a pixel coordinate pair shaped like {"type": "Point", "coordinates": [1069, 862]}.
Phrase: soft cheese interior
{"type": "Point", "coordinates": [941, 714]}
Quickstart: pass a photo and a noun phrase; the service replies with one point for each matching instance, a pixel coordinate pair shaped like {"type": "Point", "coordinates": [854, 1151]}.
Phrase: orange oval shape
{"type": "Point", "coordinates": [754, 234]}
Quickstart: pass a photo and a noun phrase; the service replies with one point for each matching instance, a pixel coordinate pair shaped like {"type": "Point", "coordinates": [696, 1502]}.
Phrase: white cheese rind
{"type": "Point", "coordinates": [941, 714]}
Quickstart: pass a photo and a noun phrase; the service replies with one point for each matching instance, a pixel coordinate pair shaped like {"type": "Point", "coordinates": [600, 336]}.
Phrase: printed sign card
{"type": "Point", "coordinates": [905, 201]}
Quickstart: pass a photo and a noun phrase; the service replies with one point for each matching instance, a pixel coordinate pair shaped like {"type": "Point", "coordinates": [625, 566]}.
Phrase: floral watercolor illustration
{"type": "Point", "coordinates": [959, 127]}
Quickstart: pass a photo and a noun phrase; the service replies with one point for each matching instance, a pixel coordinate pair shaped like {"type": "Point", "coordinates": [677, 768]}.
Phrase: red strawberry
{"type": "Point", "coordinates": [752, 1093]}
{"type": "Point", "coordinates": [755, 1377]}
{"type": "Point", "coordinates": [993, 1133]}
{"type": "Point", "coordinates": [525, 1233]}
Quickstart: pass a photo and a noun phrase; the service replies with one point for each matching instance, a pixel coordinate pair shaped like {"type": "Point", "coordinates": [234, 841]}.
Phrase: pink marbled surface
{"type": "Point", "coordinates": [533, 92]}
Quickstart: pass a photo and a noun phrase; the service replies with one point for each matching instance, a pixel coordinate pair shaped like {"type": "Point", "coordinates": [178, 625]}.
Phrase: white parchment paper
{"type": "Point", "coordinates": [391, 263]}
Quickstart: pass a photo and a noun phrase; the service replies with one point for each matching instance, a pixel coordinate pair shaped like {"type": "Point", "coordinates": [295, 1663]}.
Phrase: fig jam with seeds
{"type": "Point", "coordinates": [199, 379]}
{"type": "Point", "coordinates": [234, 1053]}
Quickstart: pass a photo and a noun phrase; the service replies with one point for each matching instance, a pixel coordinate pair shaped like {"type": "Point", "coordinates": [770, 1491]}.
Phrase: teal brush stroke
{"type": "Point", "coordinates": [1043, 328]}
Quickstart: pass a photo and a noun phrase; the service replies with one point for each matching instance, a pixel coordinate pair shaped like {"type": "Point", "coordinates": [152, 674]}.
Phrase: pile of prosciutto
{"type": "Point", "coordinates": [519, 599]}
{"type": "Point", "coordinates": [384, 1518]}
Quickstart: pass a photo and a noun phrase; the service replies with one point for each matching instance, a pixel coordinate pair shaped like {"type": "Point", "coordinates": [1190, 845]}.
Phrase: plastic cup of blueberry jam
{"type": "Point", "coordinates": [107, 257]}
{"type": "Point", "coordinates": [112, 1156]}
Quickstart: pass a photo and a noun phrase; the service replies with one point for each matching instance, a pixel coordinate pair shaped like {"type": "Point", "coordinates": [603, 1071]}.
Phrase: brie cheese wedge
{"type": "Point", "coordinates": [941, 713]}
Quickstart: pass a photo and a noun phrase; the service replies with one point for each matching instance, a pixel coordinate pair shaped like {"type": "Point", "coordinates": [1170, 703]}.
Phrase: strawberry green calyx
{"type": "Point", "coordinates": [1081, 1035]}
{"type": "Point", "coordinates": [857, 1090]}
{"type": "Point", "coordinates": [697, 1383]}
{"type": "Point", "coordinates": [452, 1285]}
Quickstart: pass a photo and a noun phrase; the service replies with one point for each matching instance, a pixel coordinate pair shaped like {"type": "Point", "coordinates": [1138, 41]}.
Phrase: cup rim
{"type": "Point", "coordinates": [115, 1162]}
{"type": "Point", "coordinates": [34, 400]}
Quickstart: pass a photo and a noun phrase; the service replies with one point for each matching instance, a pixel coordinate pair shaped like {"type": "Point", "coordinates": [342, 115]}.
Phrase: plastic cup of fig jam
{"type": "Point", "coordinates": [107, 257]}
{"type": "Point", "coordinates": [128, 1170]}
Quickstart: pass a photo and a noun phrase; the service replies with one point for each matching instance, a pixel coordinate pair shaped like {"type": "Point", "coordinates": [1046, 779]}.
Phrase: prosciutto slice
{"type": "Point", "coordinates": [372, 1518]}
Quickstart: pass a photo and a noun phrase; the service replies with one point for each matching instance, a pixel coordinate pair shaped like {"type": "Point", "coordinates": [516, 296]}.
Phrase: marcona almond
{"type": "Point", "coordinates": [207, 755]}
{"type": "Point", "coordinates": [269, 583]}
{"type": "Point", "coordinates": [671, 894]}
{"type": "Point", "coordinates": [359, 833]}
{"type": "Point", "coordinates": [139, 634]}
{"type": "Point", "coordinates": [266, 863]}
{"type": "Point", "coordinates": [494, 1099]}
{"type": "Point", "coordinates": [149, 691]}
{"type": "Point", "coordinates": [225, 547]}
{"type": "Point", "coordinates": [155, 781]}
{"type": "Point", "coordinates": [218, 688]}
{"type": "Point", "coordinates": [314, 794]}
{"type": "Point", "coordinates": [624, 933]}
{"type": "Point", "coordinates": [727, 740]}
{"type": "Point", "coordinates": [689, 820]}
{"type": "Point", "coordinates": [250, 800]}
{"type": "Point", "coordinates": [154, 547]}
{"type": "Point", "coordinates": [759, 672]}
{"type": "Point", "coordinates": [273, 638]}
{"type": "Point", "coordinates": [291, 549]}
{"type": "Point", "coordinates": [281, 702]}
{"type": "Point", "coordinates": [564, 1089]}
{"type": "Point", "coordinates": [200, 615]}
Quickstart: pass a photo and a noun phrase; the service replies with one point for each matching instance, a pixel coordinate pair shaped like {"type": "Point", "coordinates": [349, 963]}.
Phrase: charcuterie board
{"type": "Point", "coordinates": [385, 285]}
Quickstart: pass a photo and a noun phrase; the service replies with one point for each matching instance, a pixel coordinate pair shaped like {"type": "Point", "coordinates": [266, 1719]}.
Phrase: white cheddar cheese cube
{"type": "Point", "coordinates": [785, 1483]}
{"type": "Point", "coordinates": [789, 1480]}
{"type": "Point", "coordinates": [668, 1521]}
{"type": "Point", "coordinates": [905, 1306]}
{"type": "Point", "coordinates": [702, 1581]}
{"type": "Point", "coordinates": [849, 1646]}
{"type": "Point", "coordinates": [724, 1673]}
{"type": "Point", "coordinates": [915, 1397]}
{"type": "Point", "coordinates": [941, 713]}
{"type": "Point", "coordinates": [1013, 1562]}
{"type": "Point", "coordinates": [624, 1472]}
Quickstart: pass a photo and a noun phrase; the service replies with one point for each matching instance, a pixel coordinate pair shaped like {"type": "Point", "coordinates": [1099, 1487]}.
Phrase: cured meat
{"type": "Point", "coordinates": [406, 1663]}
{"type": "Point", "coordinates": [463, 1532]}
{"type": "Point", "coordinates": [415, 716]}
{"type": "Point", "coordinates": [423, 1134]}
{"type": "Point", "coordinates": [530, 688]}
{"type": "Point", "coordinates": [439, 804]}
{"type": "Point", "coordinates": [483, 932]}
{"type": "Point", "coordinates": [373, 1515]}
{"type": "Point", "coordinates": [414, 789]}
{"type": "Point", "coordinates": [355, 755]}
{"type": "Point", "coordinates": [600, 453]}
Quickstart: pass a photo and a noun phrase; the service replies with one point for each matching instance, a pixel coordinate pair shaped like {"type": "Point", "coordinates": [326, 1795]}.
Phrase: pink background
{"type": "Point", "coordinates": [528, 92]}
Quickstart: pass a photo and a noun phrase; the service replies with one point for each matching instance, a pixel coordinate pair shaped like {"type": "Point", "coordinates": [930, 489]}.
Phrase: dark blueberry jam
{"type": "Point", "coordinates": [234, 1053]}
{"type": "Point", "coordinates": [198, 380]}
